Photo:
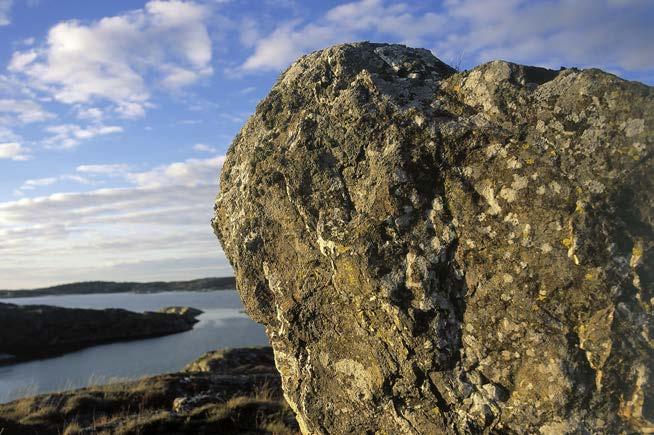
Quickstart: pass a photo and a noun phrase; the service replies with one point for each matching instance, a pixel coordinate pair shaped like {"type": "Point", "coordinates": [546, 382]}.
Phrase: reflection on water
{"type": "Point", "coordinates": [222, 325]}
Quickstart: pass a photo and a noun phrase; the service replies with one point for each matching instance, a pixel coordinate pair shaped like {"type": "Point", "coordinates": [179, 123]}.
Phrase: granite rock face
{"type": "Point", "coordinates": [442, 252]}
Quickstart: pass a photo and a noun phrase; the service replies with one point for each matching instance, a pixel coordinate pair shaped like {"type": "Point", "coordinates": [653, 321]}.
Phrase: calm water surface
{"type": "Point", "coordinates": [222, 325]}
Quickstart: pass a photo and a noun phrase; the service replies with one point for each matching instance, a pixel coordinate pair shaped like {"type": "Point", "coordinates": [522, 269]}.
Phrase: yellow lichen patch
{"type": "Point", "coordinates": [349, 277]}
{"type": "Point", "coordinates": [590, 276]}
{"type": "Point", "coordinates": [636, 253]}
{"type": "Point", "coordinates": [530, 161]}
{"type": "Point", "coordinates": [525, 146]}
{"type": "Point", "coordinates": [567, 242]}
{"type": "Point", "coordinates": [595, 339]}
{"type": "Point", "coordinates": [580, 206]}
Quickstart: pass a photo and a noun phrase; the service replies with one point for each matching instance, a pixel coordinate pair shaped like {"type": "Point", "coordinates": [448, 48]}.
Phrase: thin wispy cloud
{"type": "Point", "coordinates": [68, 136]}
{"type": "Point", "coordinates": [5, 8]}
{"type": "Point", "coordinates": [162, 216]}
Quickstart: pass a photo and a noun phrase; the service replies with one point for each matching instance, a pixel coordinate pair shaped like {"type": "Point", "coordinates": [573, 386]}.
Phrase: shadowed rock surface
{"type": "Point", "coordinates": [37, 331]}
{"type": "Point", "coordinates": [442, 252]}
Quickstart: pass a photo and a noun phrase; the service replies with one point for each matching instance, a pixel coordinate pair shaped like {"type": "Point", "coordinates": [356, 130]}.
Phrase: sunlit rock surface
{"type": "Point", "coordinates": [441, 252]}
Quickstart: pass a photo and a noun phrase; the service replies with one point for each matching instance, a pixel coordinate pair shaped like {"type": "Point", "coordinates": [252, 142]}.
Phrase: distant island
{"type": "Point", "coordinates": [41, 331]}
{"type": "Point", "coordinates": [99, 287]}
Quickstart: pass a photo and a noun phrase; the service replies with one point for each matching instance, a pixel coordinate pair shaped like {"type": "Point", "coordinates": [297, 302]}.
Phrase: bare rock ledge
{"type": "Point", "coordinates": [441, 252]}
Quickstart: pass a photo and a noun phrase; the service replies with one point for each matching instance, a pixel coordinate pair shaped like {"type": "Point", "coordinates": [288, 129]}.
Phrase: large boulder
{"type": "Point", "coordinates": [442, 252]}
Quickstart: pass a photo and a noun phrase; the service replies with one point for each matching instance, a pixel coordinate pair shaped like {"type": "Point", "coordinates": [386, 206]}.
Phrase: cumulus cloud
{"type": "Point", "coordinates": [116, 58]}
{"type": "Point", "coordinates": [14, 151]}
{"type": "Point", "coordinates": [160, 218]}
{"type": "Point", "coordinates": [605, 33]}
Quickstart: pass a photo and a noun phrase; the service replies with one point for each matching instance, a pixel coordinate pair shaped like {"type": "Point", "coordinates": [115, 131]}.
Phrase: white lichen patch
{"type": "Point", "coordinates": [489, 195]}
{"type": "Point", "coordinates": [546, 248]}
{"type": "Point", "coordinates": [492, 149]}
{"type": "Point", "coordinates": [633, 127]}
{"type": "Point", "coordinates": [594, 186]}
{"type": "Point", "coordinates": [326, 246]}
{"type": "Point", "coordinates": [512, 218]}
{"type": "Point", "coordinates": [356, 377]}
{"type": "Point", "coordinates": [509, 195]}
{"type": "Point", "coordinates": [513, 163]}
{"type": "Point", "coordinates": [519, 182]}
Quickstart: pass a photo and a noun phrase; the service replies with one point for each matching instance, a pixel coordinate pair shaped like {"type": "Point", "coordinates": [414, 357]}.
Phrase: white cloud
{"type": "Point", "coordinates": [24, 111]}
{"type": "Point", "coordinates": [203, 148]}
{"type": "Point", "coordinates": [163, 219]}
{"type": "Point", "coordinates": [5, 8]}
{"type": "Point", "coordinates": [7, 135]}
{"type": "Point", "coordinates": [90, 113]}
{"type": "Point", "coordinates": [68, 136]}
{"type": "Point", "coordinates": [191, 173]}
{"type": "Point", "coordinates": [114, 169]}
{"type": "Point", "coordinates": [610, 34]}
{"type": "Point", "coordinates": [247, 90]}
{"type": "Point", "coordinates": [38, 182]}
{"type": "Point", "coordinates": [117, 59]}
{"type": "Point", "coordinates": [14, 151]}
{"type": "Point", "coordinates": [189, 122]}
{"type": "Point", "coordinates": [35, 183]}
{"type": "Point", "coordinates": [343, 23]}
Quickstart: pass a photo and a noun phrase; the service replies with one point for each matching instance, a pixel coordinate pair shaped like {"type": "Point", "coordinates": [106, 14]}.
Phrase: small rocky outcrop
{"type": "Point", "coordinates": [38, 331]}
{"type": "Point", "coordinates": [246, 360]}
{"type": "Point", "coordinates": [188, 313]}
{"type": "Point", "coordinates": [443, 252]}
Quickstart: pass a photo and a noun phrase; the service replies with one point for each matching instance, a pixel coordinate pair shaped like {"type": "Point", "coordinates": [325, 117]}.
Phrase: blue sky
{"type": "Point", "coordinates": [115, 115]}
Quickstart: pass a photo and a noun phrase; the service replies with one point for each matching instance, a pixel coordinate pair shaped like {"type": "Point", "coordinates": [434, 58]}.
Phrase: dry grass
{"type": "Point", "coordinates": [72, 429]}
{"type": "Point", "coordinates": [144, 406]}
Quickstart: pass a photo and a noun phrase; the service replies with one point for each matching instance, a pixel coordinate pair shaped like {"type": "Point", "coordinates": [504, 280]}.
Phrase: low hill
{"type": "Point", "coordinates": [95, 287]}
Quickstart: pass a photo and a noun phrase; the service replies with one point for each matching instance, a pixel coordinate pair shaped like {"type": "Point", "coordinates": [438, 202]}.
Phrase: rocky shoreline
{"type": "Point", "coordinates": [228, 392]}
{"type": "Point", "coordinates": [40, 331]}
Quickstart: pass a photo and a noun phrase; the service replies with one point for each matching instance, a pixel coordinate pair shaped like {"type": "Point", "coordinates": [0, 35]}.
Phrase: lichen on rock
{"type": "Point", "coordinates": [443, 252]}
